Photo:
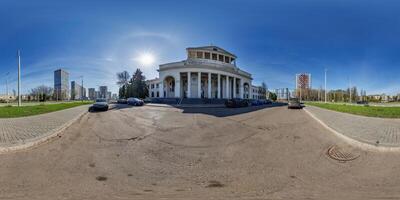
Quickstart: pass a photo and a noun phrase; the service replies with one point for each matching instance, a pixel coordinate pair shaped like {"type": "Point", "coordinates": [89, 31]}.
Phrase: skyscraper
{"type": "Point", "coordinates": [103, 91]}
{"type": "Point", "coordinates": [77, 91]}
{"type": "Point", "coordinates": [61, 84]}
{"type": "Point", "coordinates": [92, 94]}
{"type": "Point", "coordinates": [303, 85]}
{"type": "Point", "coordinates": [303, 81]}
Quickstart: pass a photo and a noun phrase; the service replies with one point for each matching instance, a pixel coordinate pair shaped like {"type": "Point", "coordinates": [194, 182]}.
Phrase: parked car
{"type": "Point", "coordinates": [122, 101]}
{"type": "Point", "coordinates": [255, 102]}
{"type": "Point", "coordinates": [99, 105]}
{"type": "Point", "coordinates": [294, 103]}
{"type": "Point", "coordinates": [135, 101]}
{"type": "Point", "coordinates": [362, 102]}
{"type": "Point", "coordinates": [236, 103]}
{"type": "Point", "coordinates": [267, 101]}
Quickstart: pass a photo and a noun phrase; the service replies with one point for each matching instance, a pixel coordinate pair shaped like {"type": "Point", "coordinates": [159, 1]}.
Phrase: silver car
{"type": "Point", "coordinates": [294, 103]}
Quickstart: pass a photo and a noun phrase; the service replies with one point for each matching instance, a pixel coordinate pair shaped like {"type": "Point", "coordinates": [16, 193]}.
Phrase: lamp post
{"type": "Point", "coordinates": [81, 87]}
{"type": "Point", "coordinates": [7, 83]}
{"type": "Point", "coordinates": [325, 83]}
{"type": "Point", "coordinates": [19, 77]}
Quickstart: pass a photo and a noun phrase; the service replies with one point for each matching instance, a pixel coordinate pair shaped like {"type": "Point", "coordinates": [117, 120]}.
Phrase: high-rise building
{"type": "Point", "coordinates": [303, 81]}
{"type": "Point", "coordinates": [97, 94]}
{"type": "Point", "coordinates": [103, 91]}
{"type": "Point", "coordinates": [108, 95]}
{"type": "Point", "coordinates": [61, 84]}
{"type": "Point", "coordinates": [303, 85]}
{"type": "Point", "coordinates": [92, 94]}
{"type": "Point", "coordinates": [77, 91]}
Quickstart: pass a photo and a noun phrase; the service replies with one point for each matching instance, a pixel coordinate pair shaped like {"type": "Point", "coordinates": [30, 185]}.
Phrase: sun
{"type": "Point", "coordinates": [146, 59]}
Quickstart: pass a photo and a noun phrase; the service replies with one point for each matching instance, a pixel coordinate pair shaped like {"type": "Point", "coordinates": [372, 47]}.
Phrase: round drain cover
{"type": "Point", "coordinates": [341, 154]}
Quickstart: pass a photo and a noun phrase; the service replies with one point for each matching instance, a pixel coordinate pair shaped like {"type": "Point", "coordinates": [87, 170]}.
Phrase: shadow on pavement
{"type": "Point", "coordinates": [225, 112]}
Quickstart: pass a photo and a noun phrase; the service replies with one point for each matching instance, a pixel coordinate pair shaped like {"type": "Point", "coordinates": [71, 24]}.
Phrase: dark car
{"type": "Point", "coordinates": [267, 101]}
{"type": "Point", "coordinates": [236, 103]}
{"type": "Point", "coordinates": [135, 102]}
{"type": "Point", "coordinates": [362, 102]}
{"type": "Point", "coordinates": [122, 101]}
{"type": "Point", "coordinates": [294, 103]}
{"type": "Point", "coordinates": [255, 102]}
{"type": "Point", "coordinates": [99, 105]}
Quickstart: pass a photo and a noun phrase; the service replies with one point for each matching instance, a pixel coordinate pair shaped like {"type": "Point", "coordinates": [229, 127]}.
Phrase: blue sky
{"type": "Point", "coordinates": [274, 40]}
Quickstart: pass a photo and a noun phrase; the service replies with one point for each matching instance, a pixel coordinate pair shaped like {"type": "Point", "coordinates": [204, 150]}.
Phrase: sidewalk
{"type": "Point", "coordinates": [371, 130]}
{"type": "Point", "coordinates": [20, 133]}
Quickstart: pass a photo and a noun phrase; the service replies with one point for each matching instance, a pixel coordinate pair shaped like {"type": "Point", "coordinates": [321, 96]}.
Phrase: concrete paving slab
{"type": "Point", "coordinates": [371, 130]}
{"type": "Point", "coordinates": [24, 132]}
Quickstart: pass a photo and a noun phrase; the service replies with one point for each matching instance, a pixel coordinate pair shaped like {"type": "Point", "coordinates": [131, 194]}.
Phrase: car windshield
{"type": "Point", "coordinates": [101, 100]}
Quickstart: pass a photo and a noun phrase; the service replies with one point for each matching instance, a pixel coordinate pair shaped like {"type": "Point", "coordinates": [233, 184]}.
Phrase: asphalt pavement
{"type": "Point", "coordinates": [172, 153]}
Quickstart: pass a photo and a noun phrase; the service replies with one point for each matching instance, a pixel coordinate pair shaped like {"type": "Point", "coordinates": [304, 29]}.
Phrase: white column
{"type": "Point", "coordinates": [209, 86]}
{"type": "Point", "coordinates": [234, 87]}
{"type": "Point", "coordinates": [177, 88]}
{"type": "Point", "coordinates": [219, 86]}
{"type": "Point", "coordinates": [161, 89]}
{"type": "Point", "coordinates": [227, 87]}
{"type": "Point", "coordinates": [199, 85]}
{"type": "Point", "coordinates": [189, 86]}
{"type": "Point", "coordinates": [241, 89]}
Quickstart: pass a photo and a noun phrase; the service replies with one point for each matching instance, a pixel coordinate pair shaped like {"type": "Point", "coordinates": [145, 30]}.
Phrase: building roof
{"type": "Point", "coordinates": [212, 48]}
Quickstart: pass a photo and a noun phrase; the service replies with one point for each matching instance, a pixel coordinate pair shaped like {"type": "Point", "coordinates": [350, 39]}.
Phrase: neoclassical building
{"type": "Point", "coordinates": [208, 72]}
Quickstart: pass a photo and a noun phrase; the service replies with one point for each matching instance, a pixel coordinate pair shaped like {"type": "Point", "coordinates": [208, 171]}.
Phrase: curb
{"type": "Point", "coordinates": [48, 136]}
{"type": "Point", "coordinates": [352, 141]}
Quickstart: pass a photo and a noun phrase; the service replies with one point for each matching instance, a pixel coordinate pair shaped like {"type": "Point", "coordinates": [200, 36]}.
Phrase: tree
{"type": "Point", "coordinates": [42, 92]}
{"type": "Point", "coordinates": [138, 87]}
{"type": "Point", "coordinates": [134, 87]}
{"type": "Point", "coordinates": [272, 96]}
{"type": "Point", "coordinates": [123, 80]}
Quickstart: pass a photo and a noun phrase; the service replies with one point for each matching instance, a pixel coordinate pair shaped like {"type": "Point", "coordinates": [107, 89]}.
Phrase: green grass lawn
{"type": "Point", "coordinates": [13, 111]}
{"type": "Point", "coordinates": [370, 111]}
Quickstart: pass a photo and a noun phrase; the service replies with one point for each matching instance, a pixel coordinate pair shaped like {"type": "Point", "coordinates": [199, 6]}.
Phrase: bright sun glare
{"type": "Point", "coordinates": [146, 59]}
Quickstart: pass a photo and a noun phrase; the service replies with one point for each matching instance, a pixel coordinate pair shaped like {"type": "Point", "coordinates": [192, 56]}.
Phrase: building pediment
{"type": "Point", "coordinates": [212, 49]}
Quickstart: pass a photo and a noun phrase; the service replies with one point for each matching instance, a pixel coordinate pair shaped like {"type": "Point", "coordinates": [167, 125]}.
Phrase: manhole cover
{"type": "Point", "coordinates": [341, 154]}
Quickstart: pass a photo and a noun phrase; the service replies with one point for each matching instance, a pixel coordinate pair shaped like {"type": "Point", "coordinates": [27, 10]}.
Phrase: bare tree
{"type": "Point", "coordinates": [123, 81]}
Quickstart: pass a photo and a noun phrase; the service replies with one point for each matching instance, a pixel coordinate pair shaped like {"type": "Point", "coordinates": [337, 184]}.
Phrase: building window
{"type": "Point", "coordinates": [214, 56]}
{"type": "Point", "coordinates": [152, 86]}
{"type": "Point", "coordinates": [221, 58]}
{"type": "Point", "coordinates": [152, 94]}
{"type": "Point", "coordinates": [157, 85]}
{"type": "Point", "coordinates": [158, 94]}
{"type": "Point", "coordinates": [227, 59]}
{"type": "Point", "coordinates": [207, 55]}
{"type": "Point", "coordinates": [192, 54]}
{"type": "Point", "coordinates": [199, 54]}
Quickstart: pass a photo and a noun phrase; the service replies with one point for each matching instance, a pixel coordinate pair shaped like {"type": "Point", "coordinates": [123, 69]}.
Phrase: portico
{"type": "Point", "coordinates": [209, 72]}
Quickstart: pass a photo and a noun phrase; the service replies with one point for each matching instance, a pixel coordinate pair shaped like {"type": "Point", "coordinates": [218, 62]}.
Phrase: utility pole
{"type": "Point", "coordinates": [19, 78]}
{"type": "Point", "coordinates": [350, 89]}
{"type": "Point", "coordinates": [82, 88]}
{"type": "Point", "coordinates": [7, 83]}
{"type": "Point", "coordinates": [325, 84]}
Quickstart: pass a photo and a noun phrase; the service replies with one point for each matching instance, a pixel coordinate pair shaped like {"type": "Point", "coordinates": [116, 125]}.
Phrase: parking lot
{"type": "Point", "coordinates": [197, 153]}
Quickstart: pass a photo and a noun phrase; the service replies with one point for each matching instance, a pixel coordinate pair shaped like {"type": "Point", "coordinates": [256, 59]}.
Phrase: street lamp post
{"type": "Point", "coordinates": [19, 78]}
{"type": "Point", "coordinates": [7, 83]}
{"type": "Point", "coordinates": [81, 88]}
{"type": "Point", "coordinates": [325, 84]}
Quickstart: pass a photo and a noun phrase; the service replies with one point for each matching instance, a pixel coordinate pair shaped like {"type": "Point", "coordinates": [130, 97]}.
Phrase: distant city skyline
{"type": "Point", "coordinates": [354, 40]}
